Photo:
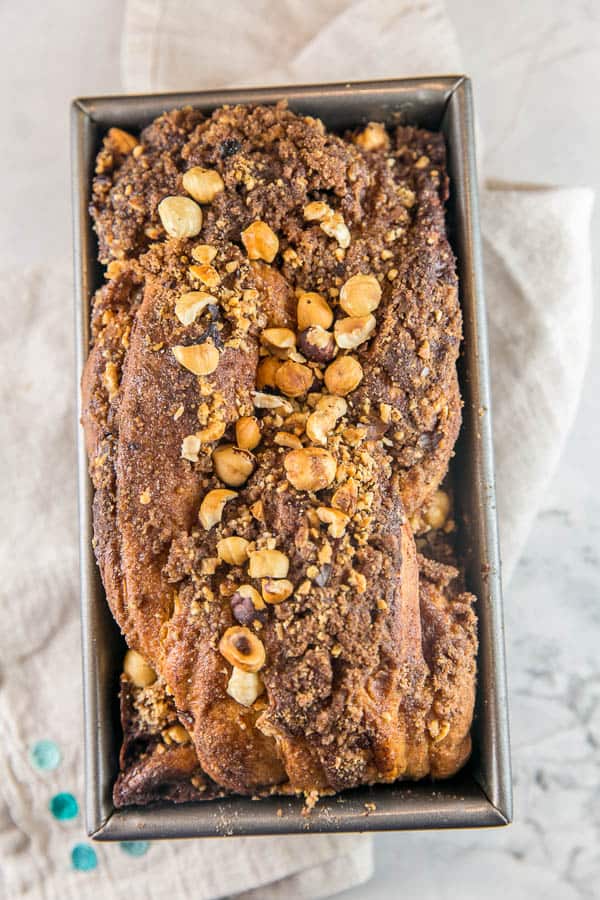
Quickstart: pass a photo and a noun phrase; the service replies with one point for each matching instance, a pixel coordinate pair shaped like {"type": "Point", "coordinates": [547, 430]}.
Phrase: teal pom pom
{"type": "Point", "coordinates": [63, 806]}
{"type": "Point", "coordinates": [135, 848]}
{"type": "Point", "coordinates": [84, 858]}
{"type": "Point", "coordinates": [45, 756]}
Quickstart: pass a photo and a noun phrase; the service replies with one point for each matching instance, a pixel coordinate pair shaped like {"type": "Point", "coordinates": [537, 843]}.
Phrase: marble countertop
{"type": "Point", "coordinates": [536, 68]}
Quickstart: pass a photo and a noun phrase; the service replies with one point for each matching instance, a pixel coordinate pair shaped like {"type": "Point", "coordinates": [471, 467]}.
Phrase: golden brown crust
{"type": "Point", "coordinates": [346, 681]}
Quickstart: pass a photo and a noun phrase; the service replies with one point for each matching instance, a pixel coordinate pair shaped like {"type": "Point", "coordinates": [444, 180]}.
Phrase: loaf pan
{"type": "Point", "coordinates": [481, 794]}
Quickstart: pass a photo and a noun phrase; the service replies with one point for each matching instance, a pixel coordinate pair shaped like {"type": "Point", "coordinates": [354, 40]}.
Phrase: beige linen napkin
{"type": "Point", "coordinates": [537, 259]}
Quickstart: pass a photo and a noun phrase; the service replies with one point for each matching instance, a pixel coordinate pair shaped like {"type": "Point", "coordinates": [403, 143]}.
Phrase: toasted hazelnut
{"type": "Point", "coordinates": [320, 423]}
{"type": "Point", "coordinates": [260, 241]}
{"type": "Point", "coordinates": [189, 306]}
{"type": "Point", "coordinates": [438, 730]}
{"type": "Point", "coordinates": [137, 669]}
{"type": "Point", "coordinates": [437, 510]}
{"type": "Point", "coordinates": [208, 275]}
{"type": "Point", "coordinates": [271, 401]}
{"type": "Point", "coordinates": [180, 217]}
{"type": "Point", "coordinates": [268, 564]}
{"type": "Point", "coordinates": [201, 359]}
{"type": "Point", "coordinates": [276, 590]}
{"type": "Point", "coordinates": [335, 518]}
{"type": "Point", "coordinates": [211, 508]}
{"type": "Point", "coordinates": [121, 141]}
{"type": "Point", "coordinates": [244, 687]}
{"type": "Point", "coordinates": [317, 344]}
{"type": "Point", "coordinates": [242, 648]}
{"type": "Point", "coordinates": [360, 295]}
{"type": "Point", "coordinates": [257, 511]}
{"type": "Point", "coordinates": [316, 211]}
{"type": "Point", "coordinates": [281, 340]}
{"type": "Point", "coordinates": [373, 137]}
{"type": "Point", "coordinates": [247, 432]}
{"type": "Point", "coordinates": [346, 497]}
{"type": "Point", "coordinates": [353, 331]}
{"type": "Point", "coordinates": [214, 431]}
{"type": "Point", "coordinates": [233, 550]}
{"type": "Point", "coordinates": [313, 309]}
{"type": "Point", "coordinates": [293, 379]}
{"type": "Point", "coordinates": [204, 253]}
{"type": "Point", "coordinates": [310, 469]}
{"type": "Point", "coordinates": [176, 734]}
{"type": "Point", "coordinates": [285, 439]}
{"type": "Point", "coordinates": [233, 465]}
{"type": "Point", "coordinates": [334, 226]}
{"type": "Point", "coordinates": [190, 447]}
{"type": "Point", "coordinates": [343, 375]}
{"type": "Point", "coordinates": [265, 373]}
{"type": "Point", "coordinates": [202, 184]}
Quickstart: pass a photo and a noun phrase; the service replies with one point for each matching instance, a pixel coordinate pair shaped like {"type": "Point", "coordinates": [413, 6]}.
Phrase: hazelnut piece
{"type": "Point", "coordinates": [208, 275]}
{"type": "Point", "coordinates": [317, 344]}
{"type": "Point", "coordinates": [247, 432]}
{"type": "Point", "coordinates": [247, 605]}
{"type": "Point", "coordinates": [189, 306]}
{"type": "Point", "coordinates": [268, 564]}
{"type": "Point", "coordinates": [293, 379]}
{"type": "Point", "coordinates": [204, 254]}
{"type": "Point", "coordinates": [313, 309]}
{"type": "Point", "coordinates": [121, 141]}
{"type": "Point", "coordinates": [270, 401]}
{"type": "Point", "coordinates": [244, 687]}
{"type": "Point", "coordinates": [281, 340]}
{"type": "Point", "coordinates": [360, 295]}
{"type": "Point", "coordinates": [310, 469]}
{"type": "Point", "coordinates": [242, 648]}
{"type": "Point", "coordinates": [316, 211]}
{"type": "Point", "coordinates": [260, 241]}
{"type": "Point", "coordinates": [233, 550]}
{"type": "Point", "coordinates": [353, 331]}
{"type": "Point", "coordinates": [373, 137]}
{"type": "Point", "coordinates": [180, 217]}
{"type": "Point", "coordinates": [320, 423]}
{"type": "Point", "coordinates": [343, 375]}
{"type": "Point", "coordinates": [276, 590]}
{"type": "Point", "coordinates": [137, 669]}
{"type": "Point", "coordinates": [201, 359]}
{"type": "Point", "coordinates": [335, 518]}
{"type": "Point", "coordinates": [202, 184]}
{"type": "Point", "coordinates": [265, 373]}
{"type": "Point", "coordinates": [233, 465]}
{"type": "Point", "coordinates": [211, 508]}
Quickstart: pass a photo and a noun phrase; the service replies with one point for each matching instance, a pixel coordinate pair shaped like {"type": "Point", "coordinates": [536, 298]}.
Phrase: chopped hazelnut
{"type": "Point", "coordinates": [208, 275]}
{"type": "Point", "coordinates": [121, 141]}
{"type": "Point", "coordinates": [244, 687]}
{"type": "Point", "coordinates": [190, 447]}
{"type": "Point", "coordinates": [189, 306]}
{"type": "Point", "coordinates": [373, 137]}
{"type": "Point", "coordinates": [335, 518]}
{"type": "Point", "coordinates": [233, 550]}
{"type": "Point", "coordinates": [180, 217]}
{"type": "Point", "coordinates": [270, 401]}
{"type": "Point", "coordinates": [353, 331]}
{"type": "Point", "coordinates": [260, 241]}
{"type": "Point", "coordinates": [201, 359]}
{"type": "Point", "coordinates": [137, 669]}
{"type": "Point", "coordinates": [276, 590]}
{"type": "Point", "coordinates": [360, 295]}
{"type": "Point", "coordinates": [204, 254]}
{"type": "Point", "coordinates": [313, 309]}
{"type": "Point", "coordinates": [211, 508]}
{"type": "Point", "coordinates": [285, 439]}
{"type": "Point", "coordinates": [343, 375]}
{"type": "Point", "coordinates": [243, 649]}
{"type": "Point", "coordinates": [320, 423]}
{"type": "Point", "coordinates": [310, 469]}
{"type": "Point", "coordinates": [268, 564]}
{"type": "Point", "coordinates": [279, 339]}
{"type": "Point", "coordinates": [202, 184]}
{"type": "Point", "coordinates": [316, 211]}
{"type": "Point", "coordinates": [233, 465]}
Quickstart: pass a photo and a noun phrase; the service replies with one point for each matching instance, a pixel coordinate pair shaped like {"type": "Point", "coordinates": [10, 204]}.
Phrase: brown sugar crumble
{"type": "Point", "coordinates": [270, 406]}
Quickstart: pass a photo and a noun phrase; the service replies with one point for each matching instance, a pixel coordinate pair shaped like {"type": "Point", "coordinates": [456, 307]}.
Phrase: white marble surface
{"type": "Point", "coordinates": [536, 70]}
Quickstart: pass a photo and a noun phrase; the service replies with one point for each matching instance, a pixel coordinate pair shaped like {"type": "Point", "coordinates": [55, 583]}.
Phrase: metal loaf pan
{"type": "Point", "coordinates": [481, 794]}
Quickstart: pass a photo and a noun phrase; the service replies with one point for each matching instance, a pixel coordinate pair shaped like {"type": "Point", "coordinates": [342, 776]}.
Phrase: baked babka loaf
{"type": "Point", "coordinates": [270, 400]}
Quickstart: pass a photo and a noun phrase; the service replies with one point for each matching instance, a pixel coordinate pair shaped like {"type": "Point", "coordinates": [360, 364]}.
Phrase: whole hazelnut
{"type": "Point", "coordinates": [317, 344]}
